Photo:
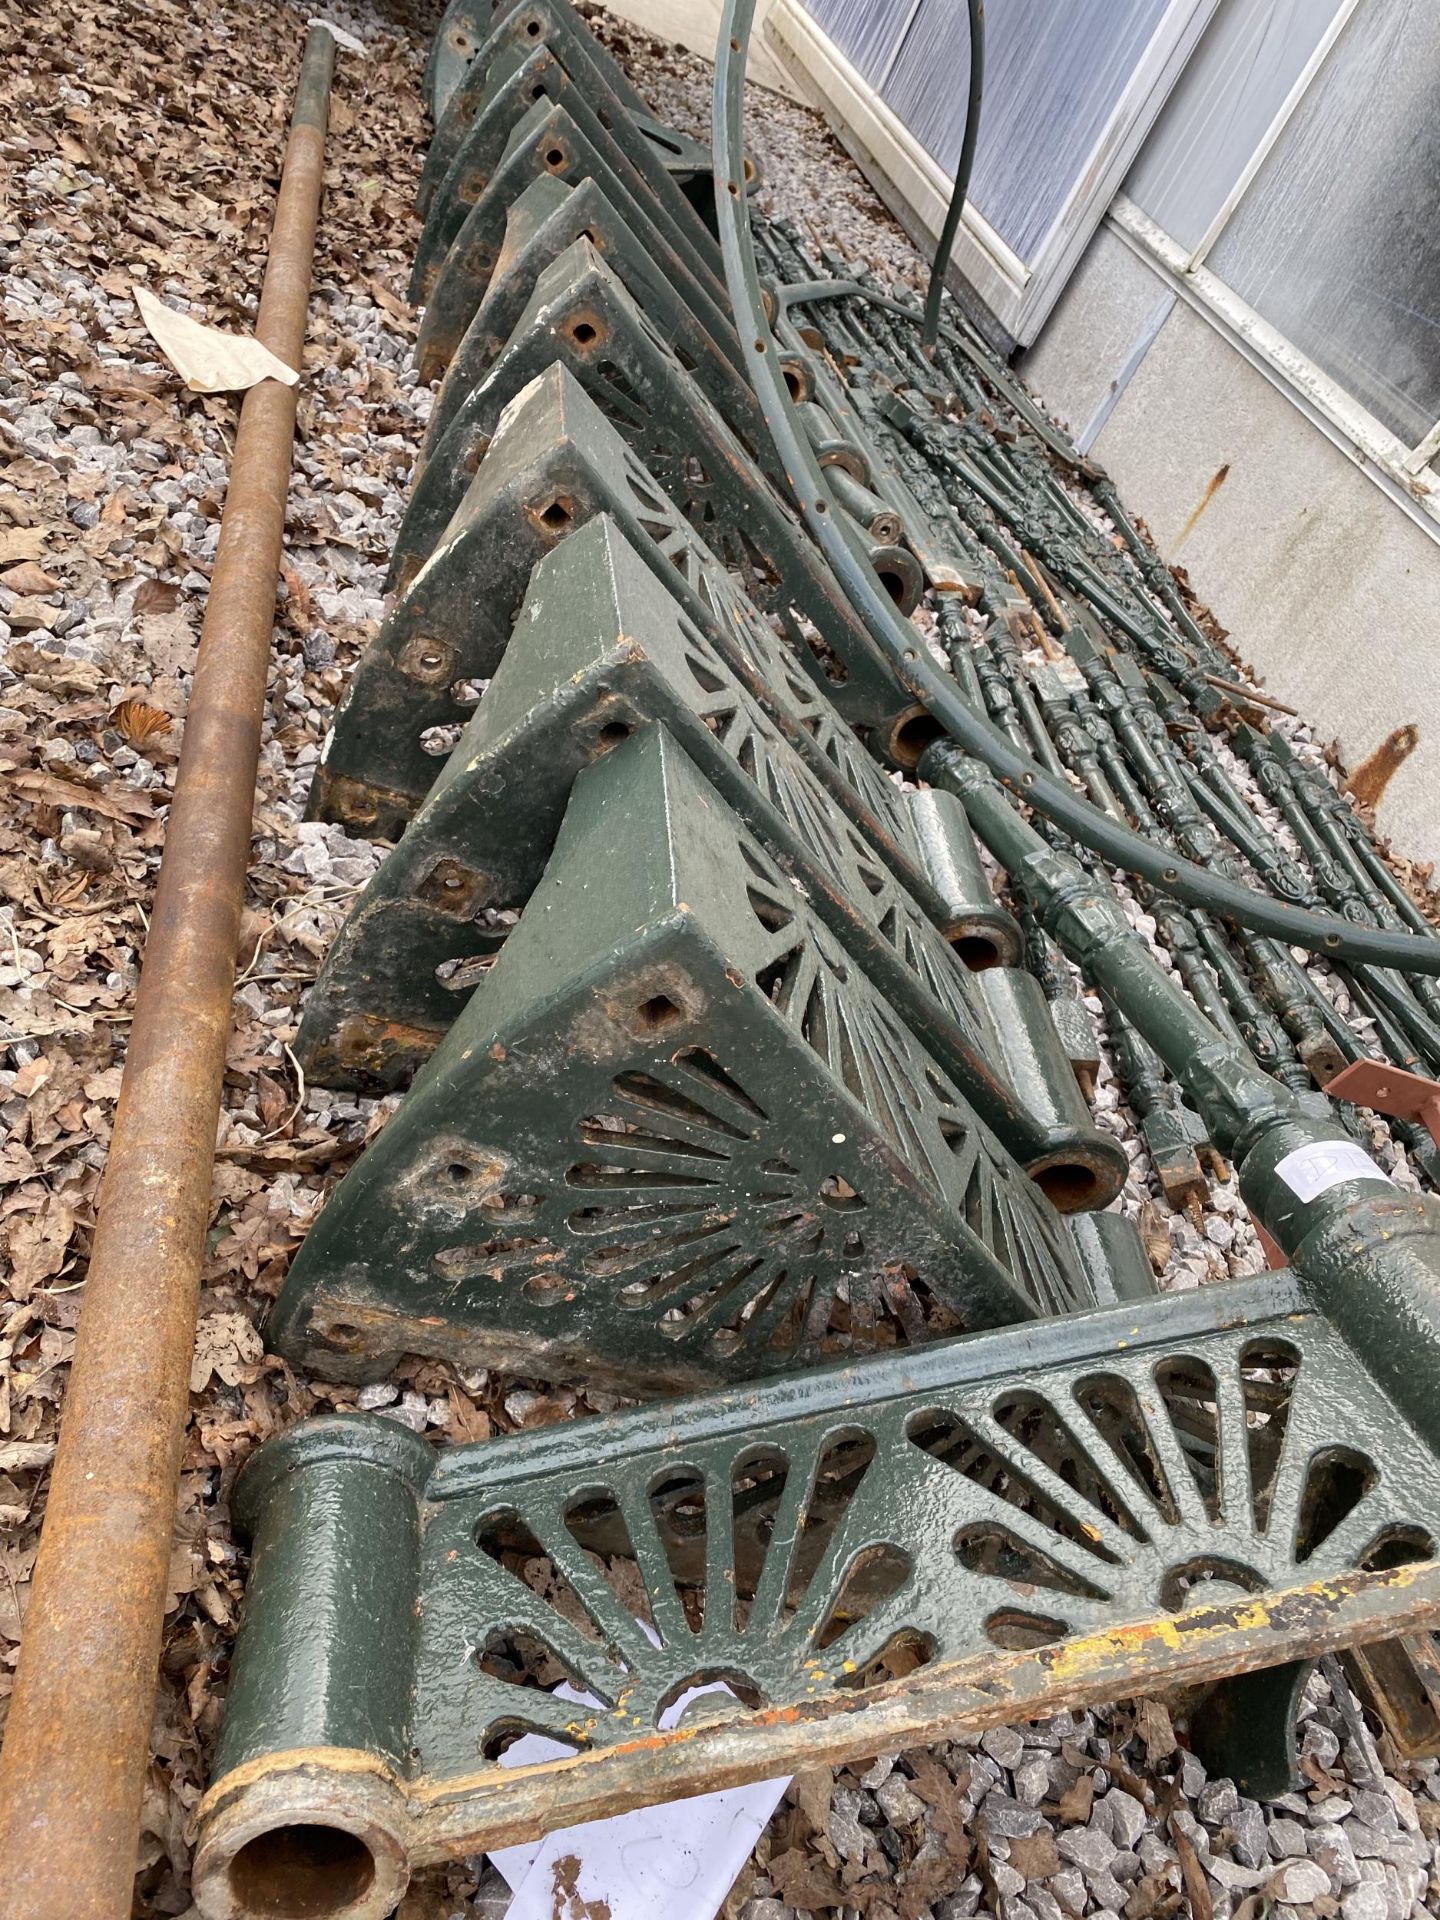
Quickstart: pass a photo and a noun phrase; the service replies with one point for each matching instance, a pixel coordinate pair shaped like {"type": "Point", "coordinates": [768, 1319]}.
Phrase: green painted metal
{"type": "Point", "coordinates": [1174, 1134]}
{"type": "Point", "coordinates": [676, 1135]}
{"type": "Point", "coordinates": [1335, 851]}
{"type": "Point", "coordinates": [1068, 1014]}
{"type": "Point", "coordinates": [461, 33]}
{"type": "Point", "coordinates": [1109, 1248]}
{"type": "Point", "coordinates": [875, 517]}
{"type": "Point", "coordinates": [509, 31]}
{"type": "Point", "coordinates": [556, 465]}
{"type": "Point", "coordinates": [580, 317]}
{"type": "Point", "coordinates": [1249, 1731]}
{"type": "Point", "coordinates": [1020, 1489]}
{"type": "Point", "coordinates": [1030, 1058]}
{"type": "Point", "coordinates": [983, 933]}
{"type": "Point", "coordinates": [896, 568]}
{"type": "Point", "coordinates": [642, 147]}
{"type": "Point", "coordinates": [717, 1105]}
{"type": "Point", "coordinates": [542, 222]}
{"type": "Point", "coordinates": [548, 139]}
{"type": "Point", "coordinates": [1140, 768]}
{"type": "Point", "coordinates": [847, 323]}
{"type": "Point", "coordinates": [832, 447]}
{"type": "Point", "coordinates": [1370, 1254]}
{"type": "Point", "coordinates": [604, 650]}
{"type": "Point", "coordinates": [1123, 694]}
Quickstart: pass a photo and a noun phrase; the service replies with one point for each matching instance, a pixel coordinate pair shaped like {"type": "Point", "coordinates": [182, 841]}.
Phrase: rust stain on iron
{"type": "Point", "coordinates": [1216, 481]}
{"type": "Point", "coordinates": [1367, 784]}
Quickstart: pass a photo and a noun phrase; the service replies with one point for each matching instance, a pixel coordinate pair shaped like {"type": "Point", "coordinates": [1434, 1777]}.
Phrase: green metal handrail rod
{"type": "Point", "coordinates": [900, 645]}
{"type": "Point", "coordinates": [804, 293]}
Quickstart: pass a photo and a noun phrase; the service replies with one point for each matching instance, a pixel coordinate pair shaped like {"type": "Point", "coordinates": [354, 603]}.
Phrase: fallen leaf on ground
{"type": "Point", "coordinates": [155, 596]}
{"type": "Point", "coordinates": [37, 1245]}
{"type": "Point", "coordinates": [1152, 1723]}
{"type": "Point", "coordinates": [21, 543]}
{"type": "Point", "coordinates": [227, 1345]}
{"type": "Point", "coordinates": [26, 577]}
{"type": "Point", "coordinates": [69, 793]}
{"type": "Point", "coordinates": [139, 722]}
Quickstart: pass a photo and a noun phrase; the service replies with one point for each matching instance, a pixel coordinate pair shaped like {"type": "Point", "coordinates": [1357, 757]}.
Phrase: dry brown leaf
{"type": "Point", "coordinates": [32, 1076]}
{"type": "Point", "coordinates": [1154, 1898]}
{"type": "Point", "coordinates": [28, 614]}
{"type": "Point", "coordinates": [1197, 1887]}
{"type": "Point", "coordinates": [154, 596]}
{"type": "Point", "coordinates": [396, 308]}
{"type": "Point", "coordinates": [129, 804]}
{"type": "Point", "coordinates": [298, 599]}
{"type": "Point", "coordinates": [1152, 1723]}
{"type": "Point", "coordinates": [467, 1421]}
{"type": "Point", "coordinates": [21, 543]}
{"type": "Point", "coordinates": [139, 722]}
{"type": "Point", "coordinates": [28, 578]}
{"type": "Point", "coordinates": [944, 1797]}
{"type": "Point", "coordinates": [804, 1882]}
{"type": "Point", "coordinates": [227, 1345]}
{"type": "Point", "coordinates": [1074, 1804]}
{"type": "Point", "coordinates": [38, 1242]}
{"type": "Point", "coordinates": [1035, 1855]}
{"type": "Point", "coordinates": [812, 1791]}
{"type": "Point", "coordinates": [167, 641]}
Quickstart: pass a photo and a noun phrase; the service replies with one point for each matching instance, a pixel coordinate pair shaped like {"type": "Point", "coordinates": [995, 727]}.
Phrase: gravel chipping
{"type": "Point", "coordinates": [141, 144]}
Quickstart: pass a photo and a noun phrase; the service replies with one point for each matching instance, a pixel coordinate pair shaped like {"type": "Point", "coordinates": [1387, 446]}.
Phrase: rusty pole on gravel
{"type": "Point", "coordinates": [73, 1766]}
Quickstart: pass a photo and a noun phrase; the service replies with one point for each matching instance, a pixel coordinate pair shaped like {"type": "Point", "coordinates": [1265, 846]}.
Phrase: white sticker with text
{"type": "Point", "coordinates": [1313, 1170]}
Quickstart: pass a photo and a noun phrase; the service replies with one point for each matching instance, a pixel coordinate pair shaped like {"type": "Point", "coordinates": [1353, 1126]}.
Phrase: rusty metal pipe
{"type": "Point", "coordinates": [73, 1764]}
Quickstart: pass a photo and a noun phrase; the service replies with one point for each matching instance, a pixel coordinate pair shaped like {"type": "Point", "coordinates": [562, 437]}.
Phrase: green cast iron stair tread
{"type": "Point", "coordinates": [565, 139]}
{"type": "Point", "coordinates": [637, 143]}
{"type": "Point", "coordinates": [555, 443]}
{"type": "Point", "coordinates": [1087, 1451]}
{"type": "Point", "coordinates": [674, 430]}
{"type": "Point", "coordinates": [666, 1102]}
{"type": "Point", "coordinates": [603, 648]}
{"type": "Point", "coordinates": [541, 222]}
{"type": "Point", "coordinates": [551, 19]}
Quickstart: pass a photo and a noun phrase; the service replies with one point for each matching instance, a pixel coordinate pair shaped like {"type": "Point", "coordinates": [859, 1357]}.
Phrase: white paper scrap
{"type": "Point", "coordinates": [207, 359]}
{"type": "Point", "coordinates": [1314, 1169]}
{"type": "Point", "coordinates": [337, 34]}
{"type": "Point", "coordinates": [673, 1862]}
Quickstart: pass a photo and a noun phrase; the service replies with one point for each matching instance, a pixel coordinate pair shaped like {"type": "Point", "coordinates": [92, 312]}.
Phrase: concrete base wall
{"type": "Point", "coordinates": [1329, 590]}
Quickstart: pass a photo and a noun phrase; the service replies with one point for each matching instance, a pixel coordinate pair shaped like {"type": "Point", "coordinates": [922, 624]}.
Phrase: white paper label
{"type": "Point", "coordinates": [1313, 1170]}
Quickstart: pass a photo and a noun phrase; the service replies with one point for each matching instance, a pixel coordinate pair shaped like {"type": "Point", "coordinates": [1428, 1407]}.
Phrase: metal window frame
{"type": "Point", "coordinates": [1396, 467]}
{"type": "Point", "coordinates": [1299, 88]}
{"type": "Point", "coordinates": [1018, 293]}
{"type": "Point", "coordinates": [1391, 461]}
